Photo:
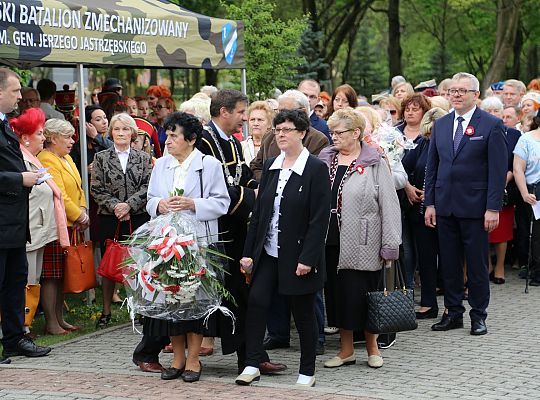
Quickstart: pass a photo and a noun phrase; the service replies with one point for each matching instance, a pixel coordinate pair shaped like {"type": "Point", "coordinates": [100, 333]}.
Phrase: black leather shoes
{"type": "Point", "coordinates": [433, 312]}
{"type": "Point", "coordinates": [171, 373]}
{"type": "Point", "coordinates": [190, 376]}
{"type": "Point", "coordinates": [4, 360]}
{"type": "Point", "coordinates": [447, 323]}
{"type": "Point", "coordinates": [271, 344]}
{"type": "Point", "coordinates": [478, 327]}
{"type": "Point", "coordinates": [26, 347]}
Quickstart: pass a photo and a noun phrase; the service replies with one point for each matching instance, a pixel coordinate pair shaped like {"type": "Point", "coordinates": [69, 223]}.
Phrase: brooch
{"type": "Point", "coordinates": [469, 131]}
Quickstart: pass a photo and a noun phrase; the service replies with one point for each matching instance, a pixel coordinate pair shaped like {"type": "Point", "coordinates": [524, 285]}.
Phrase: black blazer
{"type": "Point", "coordinates": [14, 228]}
{"type": "Point", "coordinates": [303, 224]}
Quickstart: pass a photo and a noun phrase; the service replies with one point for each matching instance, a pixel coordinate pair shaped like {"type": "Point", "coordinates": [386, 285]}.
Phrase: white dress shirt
{"type": "Point", "coordinates": [467, 117]}
{"type": "Point", "coordinates": [271, 243]}
{"type": "Point", "coordinates": [123, 156]}
{"type": "Point", "coordinates": [181, 170]}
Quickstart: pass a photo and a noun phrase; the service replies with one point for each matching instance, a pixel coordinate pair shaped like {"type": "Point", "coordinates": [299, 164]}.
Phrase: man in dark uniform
{"type": "Point", "coordinates": [228, 111]}
{"type": "Point", "coordinates": [15, 186]}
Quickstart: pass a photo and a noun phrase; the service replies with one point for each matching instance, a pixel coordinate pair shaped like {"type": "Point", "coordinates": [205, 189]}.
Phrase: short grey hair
{"type": "Point", "coordinates": [471, 77]}
{"type": "Point", "coordinates": [5, 73]}
{"type": "Point", "coordinates": [57, 127]}
{"type": "Point", "coordinates": [25, 90]}
{"type": "Point", "coordinates": [208, 90]}
{"type": "Point", "coordinates": [429, 119]}
{"type": "Point", "coordinates": [126, 119]}
{"type": "Point", "coordinates": [520, 86]}
{"type": "Point", "coordinates": [397, 79]}
{"type": "Point", "coordinates": [297, 95]}
{"type": "Point", "coordinates": [492, 103]}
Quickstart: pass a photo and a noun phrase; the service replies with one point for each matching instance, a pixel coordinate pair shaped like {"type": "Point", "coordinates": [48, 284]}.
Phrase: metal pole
{"type": "Point", "coordinates": [243, 86]}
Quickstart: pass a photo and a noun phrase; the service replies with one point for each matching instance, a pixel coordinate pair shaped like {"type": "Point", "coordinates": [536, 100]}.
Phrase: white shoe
{"type": "Point", "coordinates": [375, 361]}
{"type": "Point", "coordinates": [331, 330]}
{"type": "Point", "coordinates": [305, 381]}
{"type": "Point", "coordinates": [248, 376]}
{"type": "Point", "coordinates": [338, 362]}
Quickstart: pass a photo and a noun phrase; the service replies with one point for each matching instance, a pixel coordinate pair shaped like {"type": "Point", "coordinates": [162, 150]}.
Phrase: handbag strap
{"type": "Point", "coordinates": [117, 233]}
{"type": "Point", "coordinates": [76, 237]}
{"type": "Point", "coordinates": [202, 196]}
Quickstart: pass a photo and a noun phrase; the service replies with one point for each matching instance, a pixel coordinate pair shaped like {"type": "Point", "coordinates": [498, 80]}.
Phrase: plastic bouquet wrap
{"type": "Point", "coordinates": [392, 141]}
{"type": "Point", "coordinates": [172, 273]}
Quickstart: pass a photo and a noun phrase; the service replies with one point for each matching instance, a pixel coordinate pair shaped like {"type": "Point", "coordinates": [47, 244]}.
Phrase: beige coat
{"type": "Point", "coordinates": [43, 228]}
{"type": "Point", "coordinates": [370, 215]}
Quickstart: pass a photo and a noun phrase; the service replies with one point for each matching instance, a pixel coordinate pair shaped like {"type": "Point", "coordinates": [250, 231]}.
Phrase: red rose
{"type": "Point", "coordinates": [469, 131]}
{"type": "Point", "coordinates": [360, 169]}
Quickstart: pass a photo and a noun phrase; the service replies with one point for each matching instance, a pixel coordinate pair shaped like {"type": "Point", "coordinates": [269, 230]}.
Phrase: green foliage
{"type": "Point", "coordinates": [25, 75]}
{"type": "Point", "coordinates": [271, 46]}
{"type": "Point", "coordinates": [314, 64]}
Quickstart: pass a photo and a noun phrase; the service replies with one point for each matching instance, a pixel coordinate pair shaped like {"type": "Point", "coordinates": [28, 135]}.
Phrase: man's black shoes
{"type": "Point", "coordinates": [26, 347]}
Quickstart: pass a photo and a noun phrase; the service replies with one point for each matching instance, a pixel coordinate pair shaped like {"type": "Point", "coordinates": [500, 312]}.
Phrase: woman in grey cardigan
{"type": "Point", "coordinates": [364, 230]}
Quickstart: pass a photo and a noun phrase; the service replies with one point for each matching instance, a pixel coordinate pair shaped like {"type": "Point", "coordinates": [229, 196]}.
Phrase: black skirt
{"type": "Point", "coordinates": [163, 327]}
{"type": "Point", "coordinates": [352, 287]}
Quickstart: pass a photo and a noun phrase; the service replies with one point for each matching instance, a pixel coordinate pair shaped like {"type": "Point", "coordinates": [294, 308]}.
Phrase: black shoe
{"type": "Point", "coordinates": [386, 340]}
{"type": "Point", "coordinates": [190, 376]}
{"type": "Point", "coordinates": [433, 312]}
{"type": "Point", "coordinates": [171, 373]}
{"type": "Point", "coordinates": [478, 327]}
{"type": "Point", "coordinates": [4, 360]}
{"type": "Point", "coordinates": [271, 344]}
{"type": "Point", "coordinates": [447, 323]}
{"type": "Point", "coordinates": [26, 347]}
{"type": "Point", "coordinates": [534, 282]}
{"type": "Point", "coordinates": [103, 321]}
{"type": "Point", "coordinates": [320, 349]}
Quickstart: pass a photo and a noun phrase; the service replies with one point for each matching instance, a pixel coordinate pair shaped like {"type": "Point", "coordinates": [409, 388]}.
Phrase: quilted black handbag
{"type": "Point", "coordinates": [390, 312]}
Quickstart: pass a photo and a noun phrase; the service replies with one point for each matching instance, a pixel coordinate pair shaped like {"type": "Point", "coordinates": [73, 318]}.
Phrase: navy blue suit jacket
{"type": "Point", "coordinates": [320, 125]}
{"type": "Point", "coordinates": [472, 180]}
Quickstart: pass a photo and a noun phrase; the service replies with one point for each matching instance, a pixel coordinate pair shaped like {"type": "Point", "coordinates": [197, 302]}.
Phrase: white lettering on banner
{"type": "Point", "coordinates": [3, 37]}
{"type": "Point", "coordinates": [45, 17]}
{"type": "Point", "coordinates": [25, 39]}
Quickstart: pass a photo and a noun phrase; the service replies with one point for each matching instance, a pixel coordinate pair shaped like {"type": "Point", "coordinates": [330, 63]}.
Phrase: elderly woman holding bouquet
{"type": "Point", "coordinates": [284, 248]}
{"type": "Point", "coordinates": [364, 231]}
{"type": "Point", "coordinates": [185, 181]}
{"type": "Point", "coordinates": [118, 186]}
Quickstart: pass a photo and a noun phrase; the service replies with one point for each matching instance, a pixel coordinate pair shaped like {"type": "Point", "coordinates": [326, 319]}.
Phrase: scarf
{"type": "Point", "coordinates": [59, 210]}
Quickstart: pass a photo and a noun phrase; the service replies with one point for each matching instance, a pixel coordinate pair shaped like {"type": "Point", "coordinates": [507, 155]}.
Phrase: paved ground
{"type": "Point", "coordinates": [422, 365]}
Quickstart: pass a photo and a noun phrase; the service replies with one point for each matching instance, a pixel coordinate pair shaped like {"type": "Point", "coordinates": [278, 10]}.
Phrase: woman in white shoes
{"type": "Point", "coordinates": [364, 230]}
{"type": "Point", "coordinates": [284, 247]}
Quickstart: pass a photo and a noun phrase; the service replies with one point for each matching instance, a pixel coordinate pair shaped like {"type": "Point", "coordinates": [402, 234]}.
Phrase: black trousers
{"type": "Point", "coordinates": [13, 276]}
{"type": "Point", "coordinates": [149, 348]}
{"type": "Point", "coordinates": [521, 239]}
{"type": "Point", "coordinates": [461, 238]}
{"type": "Point", "coordinates": [263, 286]}
{"type": "Point", "coordinates": [427, 250]}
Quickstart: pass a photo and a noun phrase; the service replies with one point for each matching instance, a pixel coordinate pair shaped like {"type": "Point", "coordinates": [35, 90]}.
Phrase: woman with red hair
{"type": "Point", "coordinates": [46, 214]}
{"type": "Point", "coordinates": [154, 92]}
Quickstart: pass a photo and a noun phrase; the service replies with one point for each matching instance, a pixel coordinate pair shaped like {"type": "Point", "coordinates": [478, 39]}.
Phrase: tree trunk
{"type": "Point", "coordinates": [508, 12]}
{"type": "Point", "coordinates": [211, 76]}
{"type": "Point", "coordinates": [394, 40]}
{"type": "Point", "coordinates": [518, 47]}
{"type": "Point", "coordinates": [532, 63]}
{"type": "Point", "coordinates": [171, 78]}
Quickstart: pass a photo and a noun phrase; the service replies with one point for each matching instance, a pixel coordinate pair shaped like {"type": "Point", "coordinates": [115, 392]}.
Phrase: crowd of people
{"type": "Point", "coordinates": [309, 204]}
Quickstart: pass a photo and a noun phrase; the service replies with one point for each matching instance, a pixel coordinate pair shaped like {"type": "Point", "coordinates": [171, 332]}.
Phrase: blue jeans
{"type": "Point", "coordinates": [278, 322]}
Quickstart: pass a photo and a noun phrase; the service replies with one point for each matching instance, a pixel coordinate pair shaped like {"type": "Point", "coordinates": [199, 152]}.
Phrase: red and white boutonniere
{"type": "Point", "coordinates": [360, 169]}
{"type": "Point", "coordinates": [469, 131]}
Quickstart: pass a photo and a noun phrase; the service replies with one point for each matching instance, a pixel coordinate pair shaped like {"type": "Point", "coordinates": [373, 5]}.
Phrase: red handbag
{"type": "Point", "coordinates": [115, 254]}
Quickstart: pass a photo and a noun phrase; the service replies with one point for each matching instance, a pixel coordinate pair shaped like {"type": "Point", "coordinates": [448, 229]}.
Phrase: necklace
{"type": "Point", "coordinates": [333, 171]}
{"type": "Point", "coordinates": [231, 181]}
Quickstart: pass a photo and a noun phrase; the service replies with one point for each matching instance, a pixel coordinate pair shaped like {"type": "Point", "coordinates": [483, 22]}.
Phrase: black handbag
{"type": "Point", "coordinates": [390, 312]}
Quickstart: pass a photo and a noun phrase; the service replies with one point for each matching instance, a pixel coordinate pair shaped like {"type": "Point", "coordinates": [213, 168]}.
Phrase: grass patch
{"type": "Point", "coordinates": [79, 314]}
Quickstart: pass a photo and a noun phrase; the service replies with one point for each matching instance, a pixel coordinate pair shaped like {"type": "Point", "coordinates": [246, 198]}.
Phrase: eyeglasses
{"type": "Point", "coordinates": [311, 97]}
{"type": "Point", "coordinates": [339, 133]}
{"type": "Point", "coordinates": [461, 92]}
{"type": "Point", "coordinates": [392, 112]}
{"type": "Point", "coordinates": [277, 131]}
{"type": "Point", "coordinates": [159, 107]}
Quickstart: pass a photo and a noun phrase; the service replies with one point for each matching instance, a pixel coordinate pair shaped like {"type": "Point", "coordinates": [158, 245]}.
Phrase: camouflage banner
{"type": "Point", "coordinates": [137, 33]}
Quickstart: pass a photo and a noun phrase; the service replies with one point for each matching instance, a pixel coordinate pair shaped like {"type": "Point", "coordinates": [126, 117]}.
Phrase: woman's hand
{"type": "Point", "coordinates": [246, 265]}
{"type": "Point", "coordinates": [302, 269]}
{"type": "Point", "coordinates": [414, 194]}
{"type": "Point", "coordinates": [176, 203]}
{"type": "Point", "coordinates": [121, 210]}
{"type": "Point", "coordinates": [91, 130]}
{"type": "Point", "coordinates": [529, 198]}
{"type": "Point", "coordinates": [83, 222]}
{"type": "Point", "coordinates": [90, 168]}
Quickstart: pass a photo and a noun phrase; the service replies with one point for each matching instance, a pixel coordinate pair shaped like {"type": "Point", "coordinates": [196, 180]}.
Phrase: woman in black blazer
{"type": "Point", "coordinates": [285, 243]}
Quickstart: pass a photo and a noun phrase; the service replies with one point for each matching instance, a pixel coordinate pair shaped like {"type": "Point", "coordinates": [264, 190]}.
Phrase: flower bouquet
{"type": "Point", "coordinates": [173, 272]}
{"type": "Point", "coordinates": [392, 141]}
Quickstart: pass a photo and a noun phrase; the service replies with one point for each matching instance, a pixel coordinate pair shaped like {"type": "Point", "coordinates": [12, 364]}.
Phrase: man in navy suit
{"type": "Point", "coordinates": [312, 90]}
{"type": "Point", "coordinates": [465, 179]}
